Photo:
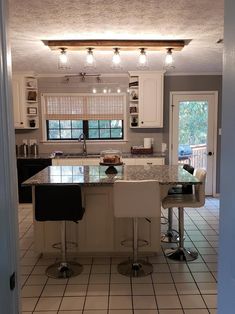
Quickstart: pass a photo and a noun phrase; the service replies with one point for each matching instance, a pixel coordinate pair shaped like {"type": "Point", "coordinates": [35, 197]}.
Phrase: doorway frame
{"type": "Point", "coordinates": [215, 124]}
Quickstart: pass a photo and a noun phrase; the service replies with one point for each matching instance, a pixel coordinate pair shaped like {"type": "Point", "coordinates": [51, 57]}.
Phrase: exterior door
{"type": "Point", "coordinates": [193, 133]}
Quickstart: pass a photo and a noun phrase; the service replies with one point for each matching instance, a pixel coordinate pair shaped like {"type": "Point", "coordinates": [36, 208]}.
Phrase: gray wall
{"type": "Point", "coordinates": [226, 300]}
{"type": "Point", "coordinates": [134, 136]}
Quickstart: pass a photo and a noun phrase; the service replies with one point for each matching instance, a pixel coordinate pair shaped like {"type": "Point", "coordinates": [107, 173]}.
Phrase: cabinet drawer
{"type": "Point", "coordinates": [128, 161]}
{"type": "Point", "coordinates": [150, 161]}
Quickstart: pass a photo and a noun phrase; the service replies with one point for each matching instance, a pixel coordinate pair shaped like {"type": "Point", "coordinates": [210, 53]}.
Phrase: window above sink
{"type": "Point", "coordinates": [100, 117]}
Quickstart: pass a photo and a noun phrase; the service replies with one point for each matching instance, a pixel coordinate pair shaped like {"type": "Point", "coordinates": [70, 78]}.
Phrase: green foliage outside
{"type": "Point", "coordinates": [193, 122]}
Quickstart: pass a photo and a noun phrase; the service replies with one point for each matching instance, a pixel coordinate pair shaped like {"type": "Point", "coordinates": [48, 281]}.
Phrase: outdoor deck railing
{"type": "Point", "coordinates": [198, 158]}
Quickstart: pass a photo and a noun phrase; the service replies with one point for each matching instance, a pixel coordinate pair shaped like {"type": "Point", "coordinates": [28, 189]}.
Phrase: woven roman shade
{"type": "Point", "coordinates": [83, 107]}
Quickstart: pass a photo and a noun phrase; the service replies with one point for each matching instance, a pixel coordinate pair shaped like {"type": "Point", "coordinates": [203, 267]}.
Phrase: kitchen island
{"type": "Point", "coordinates": [99, 231]}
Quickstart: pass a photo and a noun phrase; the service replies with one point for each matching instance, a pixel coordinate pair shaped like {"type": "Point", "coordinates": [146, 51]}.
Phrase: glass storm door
{"type": "Point", "coordinates": [193, 133]}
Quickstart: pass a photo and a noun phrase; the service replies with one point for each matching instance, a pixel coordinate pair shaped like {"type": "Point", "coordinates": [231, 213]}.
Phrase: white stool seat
{"type": "Point", "coordinates": [180, 200]}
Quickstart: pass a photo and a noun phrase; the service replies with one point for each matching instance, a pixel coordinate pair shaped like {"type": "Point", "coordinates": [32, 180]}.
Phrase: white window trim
{"type": "Point", "coordinates": [43, 120]}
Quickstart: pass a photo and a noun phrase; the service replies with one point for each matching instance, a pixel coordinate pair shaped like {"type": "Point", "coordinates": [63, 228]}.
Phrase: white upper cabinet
{"type": "Point", "coordinates": [25, 101]}
{"type": "Point", "coordinates": [18, 106]}
{"type": "Point", "coordinates": [146, 111]}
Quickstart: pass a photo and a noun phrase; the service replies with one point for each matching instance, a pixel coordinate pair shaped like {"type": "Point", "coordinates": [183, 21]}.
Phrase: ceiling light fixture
{"type": "Point", "coordinates": [90, 60]}
{"type": "Point", "coordinates": [116, 58]}
{"type": "Point", "coordinates": [63, 59]}
{"type": "Point", "coordinates": [169, 58]}
{"type": "Point", "coordinates": [143, 58]}
{"type": "Point", "coordinates": [116, 45]}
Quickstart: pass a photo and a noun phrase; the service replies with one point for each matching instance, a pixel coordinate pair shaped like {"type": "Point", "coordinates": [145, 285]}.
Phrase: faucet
{"type": "Point", "coordinates": [82, 136]}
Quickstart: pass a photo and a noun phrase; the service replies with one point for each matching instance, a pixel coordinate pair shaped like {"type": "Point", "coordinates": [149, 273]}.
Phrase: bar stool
{"type": "Point", "coordinates": [172, 235]}
{"type": "Point", "coordinates": [60, 203]}
{"type": "Point", "coordinates": [135, 199]}
{"type": "Point", "coordinates": [197, 199]}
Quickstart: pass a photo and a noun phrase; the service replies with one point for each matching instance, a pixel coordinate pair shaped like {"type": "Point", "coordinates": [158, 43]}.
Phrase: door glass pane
{"type": "Point", "coordinates": [193, 127]}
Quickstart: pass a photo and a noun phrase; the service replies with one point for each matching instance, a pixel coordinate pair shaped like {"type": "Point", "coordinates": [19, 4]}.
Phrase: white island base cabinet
{"type": "Point", "coordinates": [99, 231]}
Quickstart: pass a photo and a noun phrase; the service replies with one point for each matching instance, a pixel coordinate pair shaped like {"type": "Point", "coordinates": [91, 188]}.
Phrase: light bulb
{"type": "Point", "coordinates": [116, 57]}
{"type": "Point", "coordinates": [63, 56]}
{"type": "Point", "coordinates": [169, 57]}
{"type": "Point", "coordinates": [94, 91]}
{"type": "Point", "coordinates": [104, 90]}
{"type": "Point", "coordinates": [142, 57]}
{"type": "Point", "coordinates": [90, 58]}
{"type": "Point", "coordinates": [118, 90]}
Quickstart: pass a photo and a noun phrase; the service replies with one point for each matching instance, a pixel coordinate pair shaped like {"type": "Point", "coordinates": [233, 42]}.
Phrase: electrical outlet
{"type": "Point", "coordinates": [25, 141]}
{"type": "Point", "coordinates": [32, 141]}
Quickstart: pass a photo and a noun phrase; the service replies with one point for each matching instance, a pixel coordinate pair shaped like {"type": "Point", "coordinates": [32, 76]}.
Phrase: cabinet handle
{"type": "Point", "coordinates": [149, 163]}
{"type": "Point", "coordinates": [21, 123]}
{"type": "Point", "coordinates": [142, 122]}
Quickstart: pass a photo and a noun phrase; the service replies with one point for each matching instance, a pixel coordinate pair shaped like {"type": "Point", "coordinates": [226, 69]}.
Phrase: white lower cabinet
{"type": "Point", "coordinates": [99, 230]}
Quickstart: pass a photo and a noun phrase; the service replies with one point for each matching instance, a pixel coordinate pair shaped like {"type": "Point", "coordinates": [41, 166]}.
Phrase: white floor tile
{"type": "Point", "coordinates": [75, 290]}
{"type": "Point", "coordinates": [72, 303]}
{"type": "Point", "coordinates": [53, 291]}
{"type": "Point", "coordinates": [120, 302]}
{"type": "Point", "coordinates": [144, 302]}
{"type": "Point", "coordinates": [96, 303]}
{"type": "Point", "coordinates": [28, 304]}
{"type": "Point", "coordinates": [168, 302]}
{"type": "Point", "coordinates": [48, 304]}
{"type": "Point", "coordinates": [192, 301]}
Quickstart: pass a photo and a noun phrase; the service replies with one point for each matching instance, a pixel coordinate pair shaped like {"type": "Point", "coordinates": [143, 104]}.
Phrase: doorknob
{"type": "Point", "coordinates": [210, 154]}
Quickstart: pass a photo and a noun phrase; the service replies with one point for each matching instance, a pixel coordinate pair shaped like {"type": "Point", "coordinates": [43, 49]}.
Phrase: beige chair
{"type": "Point", "coordinates": [135, 199]}
{"type": "Point", "coordinates": [197, 199]}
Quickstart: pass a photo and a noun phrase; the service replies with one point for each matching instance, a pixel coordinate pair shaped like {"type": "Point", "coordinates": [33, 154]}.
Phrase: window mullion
{"type": "Point", "coordinates": [85, 128]}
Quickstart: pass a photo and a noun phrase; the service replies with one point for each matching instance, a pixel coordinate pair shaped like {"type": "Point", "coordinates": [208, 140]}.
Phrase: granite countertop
{"type": "Point", "coordinates": [31, 156]}
{"type": "Point", "coordinates": [90, 155]}
{"type": "Point", "coordinates": [95, 175]}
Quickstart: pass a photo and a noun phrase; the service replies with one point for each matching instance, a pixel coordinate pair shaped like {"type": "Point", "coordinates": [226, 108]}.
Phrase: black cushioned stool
{"type": "Point", "coordinates": [172, 236]}
{"type": "Point", "coordinates": [60, 203]}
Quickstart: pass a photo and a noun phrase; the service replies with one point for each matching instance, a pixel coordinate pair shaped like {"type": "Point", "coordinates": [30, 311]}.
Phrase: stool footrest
{"type": "Point", "coordinates": [171, 236]}
{"type": "Point", "coordinates": [129, 242]}
{"type": "Point", "coordinates": [69, 244]}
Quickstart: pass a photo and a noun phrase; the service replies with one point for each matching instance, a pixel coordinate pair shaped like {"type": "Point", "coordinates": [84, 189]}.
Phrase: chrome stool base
{"type": "Point", "coordinates": [140, 268]}
{"type": "Point", "coordinates": [63, 270]}
{"type": "Point", "coordinates": [181, 254]}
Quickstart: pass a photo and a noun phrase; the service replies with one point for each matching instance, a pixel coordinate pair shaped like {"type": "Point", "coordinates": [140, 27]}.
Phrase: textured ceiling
{"type": "Point", "coordinates": [34, 20]}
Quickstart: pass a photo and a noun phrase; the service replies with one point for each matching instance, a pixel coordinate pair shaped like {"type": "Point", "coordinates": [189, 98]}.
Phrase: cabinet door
{"type": "Point", "coordinates": [67, 162]}
{"type": "Point", "coordinates": [91, 161]}
{"type": "Point", "coordinates": [151, 100]}
{"type": "Point", "coordinates": [18, 104]}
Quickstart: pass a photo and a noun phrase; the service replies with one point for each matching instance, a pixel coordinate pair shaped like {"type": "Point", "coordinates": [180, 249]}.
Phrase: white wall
{"type": "Point", "coordinates": [8, 205]}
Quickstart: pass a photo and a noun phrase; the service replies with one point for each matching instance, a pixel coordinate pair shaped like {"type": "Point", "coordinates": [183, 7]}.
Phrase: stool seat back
{"type": "Point", "coordinates": [137, 198]}
{"type": "Point", "coordinates": [58, 203]}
